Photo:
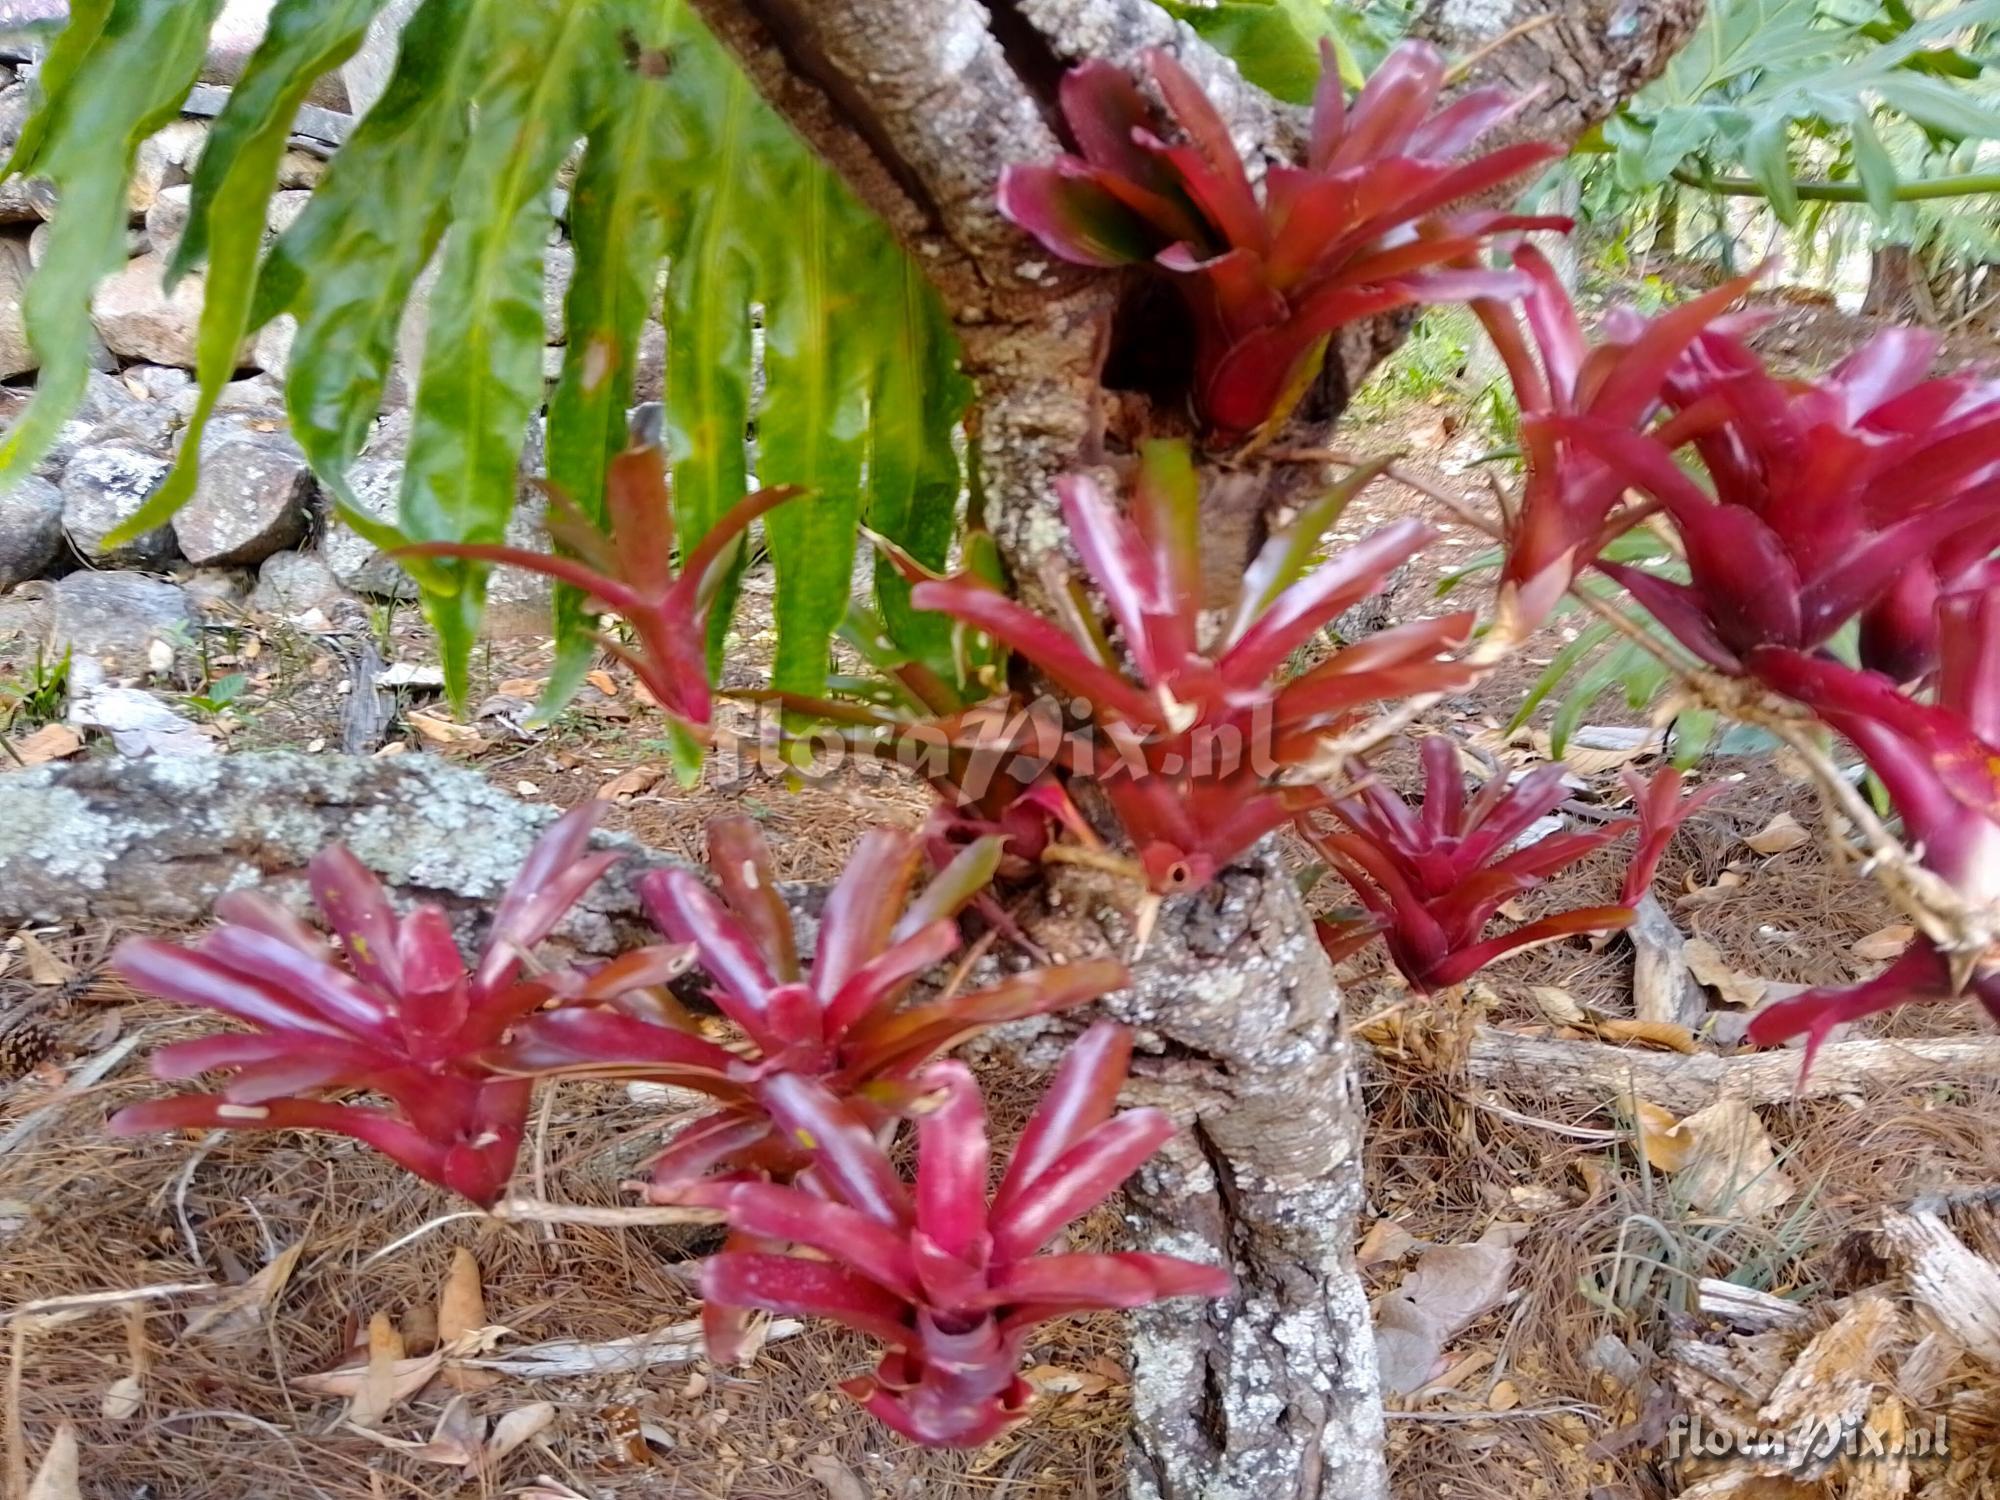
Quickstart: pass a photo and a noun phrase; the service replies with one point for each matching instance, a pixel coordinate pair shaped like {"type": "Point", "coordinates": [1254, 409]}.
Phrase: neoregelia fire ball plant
{"type": "Point", "coordinates": [1798, 507]}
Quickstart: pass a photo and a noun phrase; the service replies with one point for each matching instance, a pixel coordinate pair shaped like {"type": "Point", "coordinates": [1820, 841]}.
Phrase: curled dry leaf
{"type": "Point", "coordinates": [44, 966]}
{"type": "Point", "coordinates": [837, 1479]}
{"type": "Point", "coordinates": [1663, 1035]}
{"type": "Point", "coordinates": [1654, 1125]}
{"type": "Point", "coordinates": [1386, 1240]}
{"type": "Point", "coordinates": [1730, 1167]}
{"type": "Point", "coordinates": [242, 1308]}
{"type": "Point", "coordinates": [1731, 986]}
{"type": "Point", "coordinates": [1779, 836]}
{"type": "Point", "coordinates": [1556, 1005]}
{"type": "Point", "coordinates": [122, 1399]}
{"type": "Point", "coordinates": [442, 731]}
{"type": "Point", "coordinates": [462, 1303]}
{"type": "Point", "coordinates": [1449, 1287]}
{"type": "Point", "coordinates": [632, 783]}
{"type": "Point", "coordinates": [1885, 942]}
{"type": "Point", "coordinates": [1059, 1380]}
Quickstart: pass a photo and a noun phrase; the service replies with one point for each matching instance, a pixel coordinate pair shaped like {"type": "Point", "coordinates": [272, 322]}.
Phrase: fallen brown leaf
{"type": "Point", "coordinates": [524, 688]}
{"type": "Point", "coordinates": [242, 1308]}
{"type": "Point", "coordinates": [836, 1478]}
{"type": "Point", "coordinates": [1056, 1380]}
{"type": "Point", "coordinates": [462, 1303]}
{"type": "Point", "coordinates": [603, 681]}
{"type": "Point", "coordinates": [1386, 1240]}
{"type": "Point", "coordinates": [1449, 1287]}
{"type": "Point", "coordinates": [1654, 1124]}
{"type": "Point", "coordinates": [1778, 836]}
{"type": "Point", "coordinates": [1885, 942]}
{"type": "Point", "coordinates": [50, 742]}
{"type": "Point", "coordinates": [442, 731]}
{"type": "Point", "coordinates": [1730, 1166]}
{"type": "Point", "coordinates": [1668, 1036]}
{"type": "Point", "coordinates": [632, 783]}
{"type": "Point", "coordinates": [44, 968]}
{"type": "Point", "coordinates": [1731, 986]}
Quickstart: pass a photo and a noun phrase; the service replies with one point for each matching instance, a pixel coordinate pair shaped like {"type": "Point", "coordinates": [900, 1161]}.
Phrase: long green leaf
{"type": "Point", "coordinates": [815, 353]}
{"type": "Point", "coordinates": [618, 226]}
{"type": "Point", "coordinates": [482, 367]}
{"type": "Point", "coordinates": [66, 55]}
{"type": "Point", "coordinates": [139, 70]}
{"type": "Point", "coordinates": [232, 185]}
{"type": "Point", "coordinates": [913, 470]}
{"type": "Point", "coordinates": [709, 291]}
{"type": "Point", "coordinates": [346, 265]}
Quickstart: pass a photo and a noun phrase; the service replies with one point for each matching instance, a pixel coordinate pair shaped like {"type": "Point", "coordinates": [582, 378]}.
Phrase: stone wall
{"type": "Point", "coordinates": [258, 530]}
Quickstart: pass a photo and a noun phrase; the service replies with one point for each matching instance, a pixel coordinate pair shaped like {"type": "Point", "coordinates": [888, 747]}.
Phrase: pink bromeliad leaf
{"type": "Point", "coordinates": [951, 1282]}
{"type": "Point", "coordinates": [1432, 878]}
{"type": "Point", "coordinates": [395, 1013]}
{"type": "Point", "coordinates": [630, 570]}
{"type": "Point", "coordinates": [1191, 743]}
{"type": "Point", "coordinates": [1372, 221]}
{"type": "Point", "coordinates": [840, 1018]}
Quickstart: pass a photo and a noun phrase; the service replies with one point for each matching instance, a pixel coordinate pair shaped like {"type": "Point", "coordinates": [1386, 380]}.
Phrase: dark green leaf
{"type": "Point", "coordinates": [346, 266]}
{"type": "Point", "coordinates": [482, 369]}
{"type": "Point", "coordinates": [618, 226]}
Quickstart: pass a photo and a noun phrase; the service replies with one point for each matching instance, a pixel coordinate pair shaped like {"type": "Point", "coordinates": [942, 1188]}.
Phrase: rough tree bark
{"type": "Point", "coordinates": [919, 104]}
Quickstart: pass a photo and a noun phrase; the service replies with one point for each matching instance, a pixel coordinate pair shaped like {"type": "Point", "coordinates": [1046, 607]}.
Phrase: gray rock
{"type": "Point", "coordinates": [30, 528]}
{"type": "Point", "coordinates": [166, 159]}
{"type": "Point", "coordinates": [255, 398]}
{"type": "Point", "coordinates": [212, 588]}
{"type": "Point", "coordinates": [357, 562]}
{"type": "Point", "coordinates": [158, 840]}
{"type": "Point", "coordinates": [100, 488]}
{"type": "Point", "coordinates": [271, 347]}
{"type": "Point", "coordinates": [252, 499]}
{"type": "Point", "coordinates": [285, 208]}
{"type": "Point", "coordinates": [26, 200]}
{"type": "Point", "coordinates": [300, 169]}
{"type": "Point", "coordinates": [16, 358]}
{"type": "Point", "coordinates": [114, 618]}
{"type": "Point", "coordinates": [290, 583]}
{"type": "Point", "coordinates": [26, 611]}
{"type": "Point", "coordinates": [166, 220]}
{"type": "Point", "coordinates": [161, 383]}
{"type": "Point", "coordinates": [136, 317]}
{"type": "Point", "coordinates": [136, 243]}
{"type": "Point", "coordinates": [17, 102]}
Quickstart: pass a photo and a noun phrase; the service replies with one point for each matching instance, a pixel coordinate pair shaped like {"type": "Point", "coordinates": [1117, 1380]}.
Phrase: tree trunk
{"type": "Point", "coordinates": [1896, 285]}
{"type": "Point", "coordinates": [919, 104]}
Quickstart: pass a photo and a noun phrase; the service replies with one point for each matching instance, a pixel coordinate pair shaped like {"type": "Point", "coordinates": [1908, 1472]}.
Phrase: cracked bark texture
{"type": "Point", "coordinates": [919, 104]}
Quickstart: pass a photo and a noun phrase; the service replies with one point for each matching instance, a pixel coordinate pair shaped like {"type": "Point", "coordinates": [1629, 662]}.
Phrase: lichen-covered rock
{"type": "Point", "coordinates": [102, 486]}
{"type": "Point", "coordinates": [114, 618]}
{"type": "Point", "coordinates": [285, 208]}
{"type": "Point", "coordinates": [159, 840]}
{"type": "Point", "coordinates": [290, 583]}
{"type": "Point", "coordinates": [31, 514]}
{"type": "Point", "coordinates": [137, 318]}
{"type": "Point", "coordinates": [252, 499]}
